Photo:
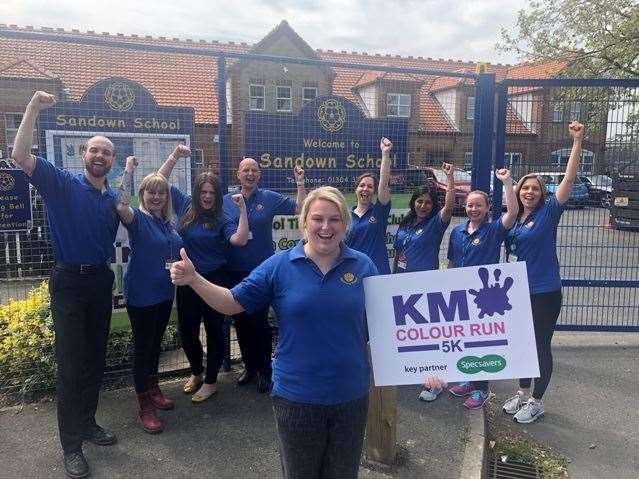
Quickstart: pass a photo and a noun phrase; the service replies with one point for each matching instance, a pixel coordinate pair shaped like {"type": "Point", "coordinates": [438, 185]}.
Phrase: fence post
{"type": "Point", "coordinates": [223, 153]}
{"type": "Point", "coordinates": [500, 145]}
{"type": "Point", "coordinates": [483, 131]}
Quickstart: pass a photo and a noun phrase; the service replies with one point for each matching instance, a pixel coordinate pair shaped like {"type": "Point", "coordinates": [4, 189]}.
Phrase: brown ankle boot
{"type": "Point", "coordinates": [159, 400]}
{"type": "Point", "coordinates": [150, 422]}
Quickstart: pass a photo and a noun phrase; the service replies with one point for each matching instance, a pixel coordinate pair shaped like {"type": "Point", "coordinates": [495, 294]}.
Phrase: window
{"type": "Point", "coordinates": [283, 98]}
{"type": "Point", "coordinates": [398, 104]}
{"type": "Point", "coordinates": [575, 111]}
{"type": "Point", "coordinates": [558, 113]}
{"type": "Point", "coordinates": [470, 108]}
{"type": "Point", "coordinates": [12, 122]}
{"type": "Point", "coordinates": [256, 97]}
{"type": "Point", "coordinates": [468, 160]}
{"type": "Point", "coordinates": [560, 160]}
{"type": "Point", "coordinates": [512, 159]}
{"type": "Point", "coordinates": [309, 94]}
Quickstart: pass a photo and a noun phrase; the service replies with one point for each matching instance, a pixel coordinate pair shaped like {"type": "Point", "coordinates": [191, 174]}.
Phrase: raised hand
{"type": "Point", "coordinates": [298, 173]}
{"type": "Point", "coordinates": [181, 151]}
{"type": "Point", "coordinates": [503, 175]}
{"type": "Point", "coordinates": [131, 164]}
{"type": "Point", "coordinates": [238, 199]}
{"type": "Point", "coordinates": [42, 100]}
{"type": "Point", "coordinates": [448, 169]}
{"type": "Point", "coordinates": [182, 272]}
{"type": "Point", "coordinates": [576, 130]}
{"type": "Point", "coordinates": [385, 145]}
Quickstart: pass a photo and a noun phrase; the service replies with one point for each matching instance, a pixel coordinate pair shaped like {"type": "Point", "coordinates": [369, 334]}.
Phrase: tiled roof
{"type": "Point", "coordinates": [190, 80]}
{"type": "Point", "coordinates": [23, 68]}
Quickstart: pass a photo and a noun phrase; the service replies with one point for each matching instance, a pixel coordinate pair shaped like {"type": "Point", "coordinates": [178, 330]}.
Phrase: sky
{"type": "Point", "coordinates": [461, 30]}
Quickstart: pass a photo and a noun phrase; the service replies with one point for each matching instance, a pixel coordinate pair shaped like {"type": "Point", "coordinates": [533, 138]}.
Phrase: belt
{"type": "Point", "coordinates": [82, 268]}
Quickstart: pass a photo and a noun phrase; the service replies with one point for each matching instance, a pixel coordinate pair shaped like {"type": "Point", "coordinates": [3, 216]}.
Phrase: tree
{"type": "Point", "coordinates": [596, 38]}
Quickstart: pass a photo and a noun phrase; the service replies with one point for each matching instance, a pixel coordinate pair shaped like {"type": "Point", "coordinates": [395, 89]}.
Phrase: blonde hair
{"type": "Point", "coordinates": [156, 182]}
{"type": "Point", "coordinates": [327, 193]}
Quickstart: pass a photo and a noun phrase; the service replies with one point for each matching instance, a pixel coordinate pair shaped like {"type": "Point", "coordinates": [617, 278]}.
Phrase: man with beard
{"type": "Point", "coordinates": [83, 224]}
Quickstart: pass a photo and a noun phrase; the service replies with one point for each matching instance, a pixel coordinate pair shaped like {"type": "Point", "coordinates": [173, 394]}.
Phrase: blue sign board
{"type": "Point", "coordinates": [330, 138]}
{"type": "Point", "coordinates": [15, 201]}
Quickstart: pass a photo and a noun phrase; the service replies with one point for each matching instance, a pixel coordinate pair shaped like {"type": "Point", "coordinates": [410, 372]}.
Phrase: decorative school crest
{"type": "Point", "coordinates": [349, 278]}
{"type": "Point", "coordinates": [372, 219]}
{"type": "Point", "coordinates": [476, 242]}
{"type": "Point", "coordinates": [7, 182]}
{"type": "Point", "coordinates": [119, 97]}
{"type": "Point", "coordinates": [331, 115]}
{"type": "Point", "coordinates": [259, 206]}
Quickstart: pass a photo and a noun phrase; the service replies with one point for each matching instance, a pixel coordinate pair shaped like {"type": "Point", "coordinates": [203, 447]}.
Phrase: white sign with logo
{"type": "Point", "coordinates": [461, 324]}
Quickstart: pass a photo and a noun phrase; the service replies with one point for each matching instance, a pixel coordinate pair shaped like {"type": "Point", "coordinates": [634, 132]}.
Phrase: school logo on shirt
{"type": "Point", "coordinates": [349, 278]}
{"type": "Point", "coordinates": [419, 231]}
{"type": "Point", "coordinates": [372, 219]}
{"type": "Point", "coordinates": [476, 242]}
{"type": "Point", "coordinates": [529, 224]}
{"type": "Point", "coordinates": [259, 206]}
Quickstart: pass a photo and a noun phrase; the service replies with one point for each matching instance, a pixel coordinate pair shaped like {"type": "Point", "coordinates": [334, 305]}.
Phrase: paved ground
{"type": "Point", "coordinates": [230, 436]}
{"type": "Point", "coordinates": [591, 408]}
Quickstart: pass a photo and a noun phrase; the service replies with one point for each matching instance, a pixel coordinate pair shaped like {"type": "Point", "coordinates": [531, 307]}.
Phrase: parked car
{"type": "Point", "coordinates": [417, 176]}
{"type": "Point", "coordinates": [599, 189]}
{"type": "Point", "coordinates": [579, 196]}
{"type": "Point", "coordinates": [624, 210]}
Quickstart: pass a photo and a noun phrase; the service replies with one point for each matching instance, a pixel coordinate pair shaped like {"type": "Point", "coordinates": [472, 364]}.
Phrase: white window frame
{"type": "Point", "coordinates": [558, 112]}
{"type": "Point", "coordinates": [253, 98]}
{"type": "Point", "coordinates": [309, 88]}
{"type": "Point", "coordinates": [575, 111]}
{"type": "Point", "coordinates": [394, 100]}
{"type": "Point", "coordinates": [468, 160]}
{"type": "Point", "coordinates": [470, 108]}
{"type": "Point", "coordinates": [10, 133]}
{"type": "Point", "coordinates": [560, 157]}
{"type": "Point", "coordinates": [510, 157]}
{"type": "Point", "coordinates": [278, 97]}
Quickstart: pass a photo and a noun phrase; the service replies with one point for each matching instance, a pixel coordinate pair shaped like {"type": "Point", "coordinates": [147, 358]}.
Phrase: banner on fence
{"type": "Point", "coordinates": [459, 324]}
{"type": "Point", "coordinates": [15, 201]}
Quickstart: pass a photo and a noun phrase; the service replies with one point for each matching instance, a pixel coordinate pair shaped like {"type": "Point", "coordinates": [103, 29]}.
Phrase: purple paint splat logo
{"type": "Point", "coordinates": [491, 299]}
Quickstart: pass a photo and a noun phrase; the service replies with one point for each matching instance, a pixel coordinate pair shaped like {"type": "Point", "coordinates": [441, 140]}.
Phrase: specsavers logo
{"type": "Point", "coordinates": [491, 363]}
{"type": "Point", "coordinates": [349, 278]}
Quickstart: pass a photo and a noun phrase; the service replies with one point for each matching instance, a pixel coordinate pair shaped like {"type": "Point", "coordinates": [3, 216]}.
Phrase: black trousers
{"type": "Point", "coordinates": [545, 311]}
{"type": "Point", "coordinates": [81, 305]}
{"type": "Point", "coordinates": [148, 324]}
{"type": "Point", "coordinates": [192, 311]}
{"type": "Point", "coordinates": [253, 334]}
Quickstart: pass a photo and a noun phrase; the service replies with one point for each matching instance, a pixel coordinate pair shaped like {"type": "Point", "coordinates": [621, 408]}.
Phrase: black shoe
{"type": "Point", "coordinates": [100, 436]}
{"type": "Point", "coordinates": [264, 383]}
{"type": "Point", "coordinates": [246, 377]}
{"type": "Point", "coordinates": [76, 465]}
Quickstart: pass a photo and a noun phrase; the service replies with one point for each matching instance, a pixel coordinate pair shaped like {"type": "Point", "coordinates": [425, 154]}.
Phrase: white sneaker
{"type": "Point", "coordinates": [429, 395]}
{"type": "Point", "coordinates": [529, 412]}
{"type": "Point", "coordinates": [514, 404]}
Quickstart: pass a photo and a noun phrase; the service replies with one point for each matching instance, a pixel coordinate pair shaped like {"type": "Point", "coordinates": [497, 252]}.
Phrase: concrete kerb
{"type": "Point", "coordinates": [474, 458]}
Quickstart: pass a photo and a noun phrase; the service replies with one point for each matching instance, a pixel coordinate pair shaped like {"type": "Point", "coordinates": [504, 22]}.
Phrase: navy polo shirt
{"type": "Point", "coordinates": [321, 353]}
{"type": "Point", "coordinates": [82, 219]}
{"type": "Point", "coordinates": [205, 243]}
{"type": "Point", "coordinates": [481, 247]}
{"type": "Point", "coordinates": [261, 207]}
{"type": "Point", "coordinates": [154, 242]}
{"type": "Point", "coordinates": [368, 234]}
{"type": "Point", "coordinates": [534, 240]}
{"type": "Point", "coordinates": [417, 246]}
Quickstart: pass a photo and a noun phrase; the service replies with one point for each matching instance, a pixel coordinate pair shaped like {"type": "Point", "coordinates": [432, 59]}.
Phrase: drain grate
{"type": "Point", "coordinates": [497, 469]}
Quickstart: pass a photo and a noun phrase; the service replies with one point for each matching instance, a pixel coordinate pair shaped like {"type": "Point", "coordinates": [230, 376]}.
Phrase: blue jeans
{"type": "Point", "coordinates": [320, 442]}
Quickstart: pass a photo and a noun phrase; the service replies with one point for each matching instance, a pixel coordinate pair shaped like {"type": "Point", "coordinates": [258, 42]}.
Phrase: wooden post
{"type": "Point", "coordinates": [381, 427]}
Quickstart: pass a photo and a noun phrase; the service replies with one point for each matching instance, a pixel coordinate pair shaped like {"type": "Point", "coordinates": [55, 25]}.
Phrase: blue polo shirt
{"type": "Point", "coordinates": [534, 240]}
{"type": "Point", "coordinates": [481, 247]}
{"type": "Point", "coordinates": [82, 219]}
{"type": "Point", "coordinates": [261, 207]}
{"type": "Point", "coordinates": [321, 353]}
{"type": "Point", "coordinates": [417, 246]}
{"type": "Point", "coordinates": [368, 234]}
{"type": "Point", "coordinates": [205, 243]}
{"type": "Point", "coordinates": [154, 242]}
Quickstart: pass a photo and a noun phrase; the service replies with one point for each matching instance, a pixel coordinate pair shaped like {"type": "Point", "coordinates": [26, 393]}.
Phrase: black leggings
{"type": "Point", "coordinates": [192, 310]}
{"type": "Point", "coordinates": [148, 324]}
{"type": "Point", "coordinates": [545, 312]}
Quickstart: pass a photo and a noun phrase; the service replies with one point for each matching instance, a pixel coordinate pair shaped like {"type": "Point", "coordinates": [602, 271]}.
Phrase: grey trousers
{"type": "Point", "coordinates": [320, 442]}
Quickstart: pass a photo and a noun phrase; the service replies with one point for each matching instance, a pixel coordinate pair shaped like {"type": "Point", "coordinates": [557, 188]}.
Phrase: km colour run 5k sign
{"type": "Point", "coordinates": [459, 324]}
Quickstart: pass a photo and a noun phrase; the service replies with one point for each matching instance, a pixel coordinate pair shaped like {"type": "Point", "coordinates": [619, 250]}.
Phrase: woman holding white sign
{"type": "Point", "coordinates": [369, 220]}
{"type": "Point", "coordinates": [533, 239]}
{"type": "Point", "coordinates": [321, 370]}
{"type": "Point", "coordinates": [420, 233]}
{"type": "Point", "coordinates": [475, 243]}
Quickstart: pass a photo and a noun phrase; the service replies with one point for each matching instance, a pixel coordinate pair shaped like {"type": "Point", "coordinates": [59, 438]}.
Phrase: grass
{"type": "Point", "coordinates": [120, 320]}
